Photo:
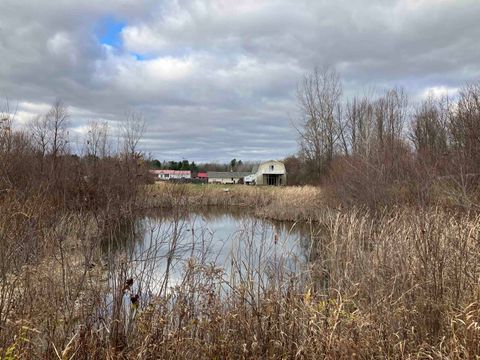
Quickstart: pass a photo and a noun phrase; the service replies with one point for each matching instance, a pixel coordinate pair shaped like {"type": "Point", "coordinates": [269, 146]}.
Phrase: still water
{"type": "Point", "coordinates": [159, 248]}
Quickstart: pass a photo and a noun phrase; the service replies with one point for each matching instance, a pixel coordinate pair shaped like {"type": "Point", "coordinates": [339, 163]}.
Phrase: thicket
{"type": "Point", "coordinates": [55, 208]}
{"type": "Point", "coordinates": [38, 162]}
{"type": "Point", "coordinates": [381, 150]}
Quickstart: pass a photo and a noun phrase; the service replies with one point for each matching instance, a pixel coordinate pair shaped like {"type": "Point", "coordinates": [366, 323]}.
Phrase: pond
{"type": "Point", "coordinates": [158, 249]}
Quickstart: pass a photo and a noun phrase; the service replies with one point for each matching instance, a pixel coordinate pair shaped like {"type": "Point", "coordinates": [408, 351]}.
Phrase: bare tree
{"type": "Point", "coordinates": [464, 141]}
{"type": "Point", "coordinates": [96, 142]}
{"type": "Point", "coordinates": [57, 123]}
{"type": "Point", "coordinates": [464, 126]}
{"type": "Point", "coordinates": [49, 134]}
{"type": "Point", "coordinates": [132, 129]}
{"type": "Point", "coordinates": [322, 130]}
{"type": "Point", "coordinates": [429, 131]}
{"type": "Point", "coordinates": [390, 117]}
{"type": "Point", "coordinates": [360, 125]}
{"type": "Point", "coordinates": [6, 121]}
{"type": "Point", "coordinates": [38, 127]}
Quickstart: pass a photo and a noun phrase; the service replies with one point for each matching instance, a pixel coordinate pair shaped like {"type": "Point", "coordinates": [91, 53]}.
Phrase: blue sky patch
{"type": "Point", "coordinates": [141, 57]}
{"type": "Point", "coordinates": [109, 31]}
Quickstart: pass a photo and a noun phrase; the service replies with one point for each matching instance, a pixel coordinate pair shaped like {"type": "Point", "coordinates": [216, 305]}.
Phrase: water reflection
{"type": "Point", "coordinates": [160, 246]}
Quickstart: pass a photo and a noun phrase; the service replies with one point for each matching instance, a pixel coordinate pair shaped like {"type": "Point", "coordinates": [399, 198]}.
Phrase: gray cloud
{"type": "Point", "coordinates": [217, 79]}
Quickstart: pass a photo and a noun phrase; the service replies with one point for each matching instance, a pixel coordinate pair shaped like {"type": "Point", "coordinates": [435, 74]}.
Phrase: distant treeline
{"type": "Point", "coordinates": [173, 165]}
{"type": "Point", "coordinates": [233, 165]}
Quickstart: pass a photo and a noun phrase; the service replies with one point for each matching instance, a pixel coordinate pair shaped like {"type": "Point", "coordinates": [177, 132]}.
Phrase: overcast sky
{"type": "Point", "coordinates": [217, 79]}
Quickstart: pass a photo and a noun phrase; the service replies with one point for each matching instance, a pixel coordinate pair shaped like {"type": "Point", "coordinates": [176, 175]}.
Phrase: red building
{"type": "Point", "coordinates": [202, 176]}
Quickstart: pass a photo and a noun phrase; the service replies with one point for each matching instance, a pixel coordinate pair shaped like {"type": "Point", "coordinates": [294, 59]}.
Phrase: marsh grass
{"type": "Point", "coordinates": [402, 284]}
{"type": "Point", "coordinates": [289, 203]}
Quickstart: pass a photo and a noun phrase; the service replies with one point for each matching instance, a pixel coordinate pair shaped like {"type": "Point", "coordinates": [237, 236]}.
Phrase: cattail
{"type": "Point", "coordinates": [128, 285]}
{"type": "Point", "coordinates": [134, 300]}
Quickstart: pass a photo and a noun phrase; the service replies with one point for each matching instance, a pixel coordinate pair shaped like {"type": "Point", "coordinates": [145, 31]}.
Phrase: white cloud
{"type": "Point", "coordinates": [61, 46]}
{"type": "Point", "coordinates": [167, 68]}
{"type": "Point", "coordinates": [439, 91]}
{"type": "Point", "coordinates": [142, 39]}
{"type": "Point", "coordinates": [215, 76]}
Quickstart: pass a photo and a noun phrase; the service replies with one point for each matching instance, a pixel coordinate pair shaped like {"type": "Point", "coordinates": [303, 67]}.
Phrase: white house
{"type": "Point", "coordinates": [172, 174]}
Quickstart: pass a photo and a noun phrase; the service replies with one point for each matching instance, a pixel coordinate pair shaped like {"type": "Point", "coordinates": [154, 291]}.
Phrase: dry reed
{"type": "Point", "coordinates": [280, 203]}
{"type": "Point", "coordinates": [400, 284]}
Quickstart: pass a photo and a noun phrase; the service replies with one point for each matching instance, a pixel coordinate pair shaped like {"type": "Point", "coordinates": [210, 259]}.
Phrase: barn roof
{"type": "Point", "coordinates": [227, 174]}
{"type": "Point", "coordinates": [171, 172]}
{"type": "Point", "coordinates": [256, 166]}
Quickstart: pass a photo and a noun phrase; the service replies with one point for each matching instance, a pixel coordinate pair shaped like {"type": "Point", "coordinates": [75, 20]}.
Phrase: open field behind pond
{"type": "Point", "coordinates": [279, 203]}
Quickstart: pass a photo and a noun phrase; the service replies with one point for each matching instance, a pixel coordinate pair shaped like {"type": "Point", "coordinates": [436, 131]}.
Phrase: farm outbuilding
{"type": "Point", "coordinates": [268, 173]}
{"type": "Point", "coordinates": [172, 174]}
{"type": "Point", "coordinates": [226, 177]}
{"type": "Point", "coordinates": [202, 175]}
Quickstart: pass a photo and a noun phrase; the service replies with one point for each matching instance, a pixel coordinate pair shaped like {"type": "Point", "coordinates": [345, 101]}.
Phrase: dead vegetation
{"type": "Point", "coordinates": [279, 203]}
{"type": "Point", "coordinates": [380, 149]}
{"type": "Point", "coordinates": [400, 282]}
{"type": "Point", "coordinates": [400, 285]}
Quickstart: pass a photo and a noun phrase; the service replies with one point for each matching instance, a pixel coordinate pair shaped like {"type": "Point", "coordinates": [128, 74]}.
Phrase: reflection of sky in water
{"type": "Point", "coordinates": [233, 242]}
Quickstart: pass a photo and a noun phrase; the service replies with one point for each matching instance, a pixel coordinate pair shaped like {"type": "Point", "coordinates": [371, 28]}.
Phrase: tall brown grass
{"type": "Point", "coordinates": [402, 284]}
{"type": "Point", "coordinates": [280, 203]}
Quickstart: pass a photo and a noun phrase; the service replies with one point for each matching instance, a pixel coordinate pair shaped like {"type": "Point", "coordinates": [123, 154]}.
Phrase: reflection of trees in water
{"type": "Point", "coordinates": [307, 234]}
{"type": "Point", "coordinates": [126, 232]}
{"type": "Point", "coordinates": [122, 234]}
{"type": "Point", "coordinates": [159, 249]}
{"type": "Point", "coordinates": [161, 242]}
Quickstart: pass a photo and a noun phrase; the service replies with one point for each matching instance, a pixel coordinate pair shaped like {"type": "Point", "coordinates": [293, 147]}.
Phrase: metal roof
{"type": "Point", "coordinates": [171, 172]}
{"type": "Point", "coordinates": [227, 174]}
{"type": "Point", "coordinates": [257, 166]}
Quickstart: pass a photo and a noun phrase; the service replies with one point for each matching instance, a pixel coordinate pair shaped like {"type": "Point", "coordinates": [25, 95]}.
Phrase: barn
{"type": "Point", "coordinates": [268, 173]}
